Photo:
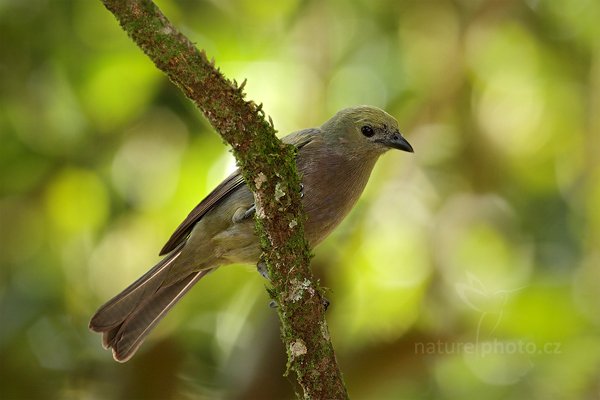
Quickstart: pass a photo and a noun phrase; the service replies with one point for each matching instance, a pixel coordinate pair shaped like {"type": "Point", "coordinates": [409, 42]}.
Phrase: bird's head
{"type": "Point", "coordinates": [366, 129]}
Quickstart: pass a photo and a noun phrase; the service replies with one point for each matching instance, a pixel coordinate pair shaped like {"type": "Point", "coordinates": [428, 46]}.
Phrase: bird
{"type": "Point", "coordinates": [334, 162]}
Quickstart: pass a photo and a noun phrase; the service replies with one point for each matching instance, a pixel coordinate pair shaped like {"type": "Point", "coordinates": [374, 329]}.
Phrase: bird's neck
{"type": "Point", "coordinates": [353, 174]}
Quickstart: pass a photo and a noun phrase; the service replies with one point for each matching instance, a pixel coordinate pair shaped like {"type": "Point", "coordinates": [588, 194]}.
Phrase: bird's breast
{"type": "Point", "coordinates": [330, 192]}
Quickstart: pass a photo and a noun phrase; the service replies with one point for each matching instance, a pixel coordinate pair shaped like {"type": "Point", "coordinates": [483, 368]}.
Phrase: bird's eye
{"type": "Point", "coordinates": [367, 131]}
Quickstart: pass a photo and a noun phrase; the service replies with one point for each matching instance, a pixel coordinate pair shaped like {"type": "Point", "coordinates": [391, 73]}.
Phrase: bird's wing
{"type": "Point", "coordinates": [302, 138]}
{"type": "Point", "coordinates": [230, 184]}
{"type": "Point", "coordinates": [225, 188]}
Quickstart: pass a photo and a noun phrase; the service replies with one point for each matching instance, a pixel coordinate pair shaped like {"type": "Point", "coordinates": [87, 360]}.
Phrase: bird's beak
{"type": "Point", "coordinates": [397, 141]}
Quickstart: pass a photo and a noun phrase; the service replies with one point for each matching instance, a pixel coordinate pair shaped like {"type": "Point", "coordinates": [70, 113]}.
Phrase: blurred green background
{"type": "Point", "coordinates": [468, 270]}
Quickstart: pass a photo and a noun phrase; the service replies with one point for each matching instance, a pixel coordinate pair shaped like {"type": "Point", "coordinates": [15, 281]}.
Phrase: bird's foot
{"type": "Point", "coordinates": [326, 303]}
{"type": "Point", "coordinates": [261, 267]}
{"type": "Point", "coordinates": [250, 212]}
{"type": "Point", "coordinates": [241, 214]}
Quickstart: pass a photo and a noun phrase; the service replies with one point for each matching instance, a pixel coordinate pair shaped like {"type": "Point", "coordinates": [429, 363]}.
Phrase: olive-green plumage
{"type": "Point", "coordinates": [334, 162]}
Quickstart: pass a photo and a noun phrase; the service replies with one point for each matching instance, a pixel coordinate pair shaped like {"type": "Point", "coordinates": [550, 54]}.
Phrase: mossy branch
{"type": "Point", "coordinates": [269, 168]}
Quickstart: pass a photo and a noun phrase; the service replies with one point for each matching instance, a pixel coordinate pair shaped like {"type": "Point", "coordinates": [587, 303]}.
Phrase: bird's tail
{"type": "Point", "coordinates": [126, 319]}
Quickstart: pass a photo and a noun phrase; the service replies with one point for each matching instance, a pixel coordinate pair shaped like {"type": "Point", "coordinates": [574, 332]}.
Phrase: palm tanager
{"type": "Point", "coordinates": [334, 163]}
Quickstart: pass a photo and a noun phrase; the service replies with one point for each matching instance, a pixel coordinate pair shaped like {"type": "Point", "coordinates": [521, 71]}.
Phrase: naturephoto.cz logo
{"type": "Point", "coordinates": [489, 305]}
{"type": "Point", "coordinates": [493, 346]}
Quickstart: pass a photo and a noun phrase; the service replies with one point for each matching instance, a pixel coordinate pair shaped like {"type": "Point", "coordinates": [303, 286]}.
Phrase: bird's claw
{"type": "Point", "coordinates": [326, 303]}
{"type": "Point", "coordinates": [241, 214]}
{"type": "Point", "coordinates": [261, 267]}
{"type": "Point", "coordinates": [250, 212]}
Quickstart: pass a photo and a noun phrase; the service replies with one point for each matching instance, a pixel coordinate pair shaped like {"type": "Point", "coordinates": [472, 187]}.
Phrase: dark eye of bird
{"type": "Point", "coordinates": [367, 131]}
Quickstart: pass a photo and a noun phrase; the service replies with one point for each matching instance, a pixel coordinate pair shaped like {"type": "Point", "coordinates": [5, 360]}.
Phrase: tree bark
{"type": "Point", "coordinates": [269, 168]}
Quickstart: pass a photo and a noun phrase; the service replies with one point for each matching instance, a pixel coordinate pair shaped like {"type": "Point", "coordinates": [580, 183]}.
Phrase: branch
{"type": "Point", "coordinates": [269, 168]}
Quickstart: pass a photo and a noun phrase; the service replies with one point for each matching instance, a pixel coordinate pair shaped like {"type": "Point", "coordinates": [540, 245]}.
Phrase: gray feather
{"type": "Point", "coordinates": [126, 319]}
{"type": "Point", "coordinates": [127, 337]}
